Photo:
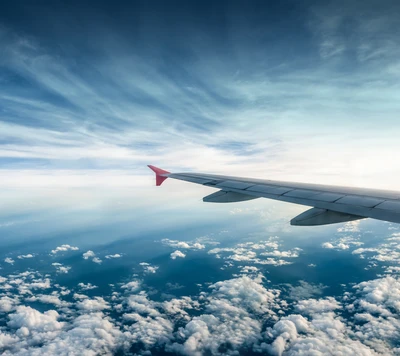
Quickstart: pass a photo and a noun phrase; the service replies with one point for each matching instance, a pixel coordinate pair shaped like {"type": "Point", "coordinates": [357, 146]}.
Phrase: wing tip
{"type": "Point", "coordinates": [161, 174]}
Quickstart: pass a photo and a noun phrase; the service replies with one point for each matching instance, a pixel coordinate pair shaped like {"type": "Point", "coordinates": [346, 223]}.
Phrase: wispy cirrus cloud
{"type": "Point", "coordinates": [186, 106]}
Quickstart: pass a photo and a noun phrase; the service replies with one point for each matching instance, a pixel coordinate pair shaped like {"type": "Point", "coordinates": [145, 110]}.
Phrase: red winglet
{"type": "Point", "coordinates": [161, 175]}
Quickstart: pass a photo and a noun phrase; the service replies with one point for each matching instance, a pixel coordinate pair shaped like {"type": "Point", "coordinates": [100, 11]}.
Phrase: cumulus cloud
{"type": "Point", "coordinates": [263, 252]}
{"type": "Point", "coordinates": [60, 268]}
{"type": "Point", "coordinates": [386, 251]}
{"type": "Point", "coordinates": [315, 306]}
{"type": "Point", "coordinates": [183, 244]}
{"type": "Point", "coordinates": [87, 286]}
{"type": "Point", "coordinates": [48, 299]}
{"type": "Point", "coordinates": [34, 321]}
{"type": "Point", "coordinates": [238, 315]}
{"type": "Point", "coordinates": [91, 305]}
{"type": "Point", "coordinates": [132, 286]}
{"type": "Point", "coordinates": [148, 268]}
{"type": "Point", "coordinates": [8, 303]}
{"type": "Point", "coordinates": [328, 245]}
{"type": "Point", "coordinates": [29, 255]}
{"type": "Point", "coordinates": [286, 254]}
{"type": "Point", "coordinates": [41, 333]}
{"type": "Point", "coordinates": [249, 269]}
{"type": "Point", "coordinates": [177, 254]}
{"type": "Point", "coordinates": [64, 248]}
{"type": "Point", "coordinates": [229, 317]}
{"type": "Point", "coordinates": [9, 260]}
{"type": "Point", "coordinates": [90, 254]}
{"type": "Point", "coordinates": [337, 246]}
{"type": "Point", "coordinates": [347, 237]}
{"type": "Point", "coordinates": [117, 255]}
{"type": "Point", "coordinates": [324, 334]}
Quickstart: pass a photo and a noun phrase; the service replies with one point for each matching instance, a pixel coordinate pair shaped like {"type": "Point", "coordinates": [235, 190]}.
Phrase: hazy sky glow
{"type": "Point", "coordinates": [89, 96]}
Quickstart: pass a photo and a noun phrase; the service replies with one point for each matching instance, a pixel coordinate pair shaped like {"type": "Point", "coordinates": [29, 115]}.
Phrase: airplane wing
{"type": "Point", "coordinates": [330, 204]}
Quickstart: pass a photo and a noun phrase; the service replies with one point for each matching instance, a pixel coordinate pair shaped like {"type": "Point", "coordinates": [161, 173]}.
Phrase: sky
{"type": "Point", "coordinates": [95, 259]}
{"type": "Point", "coordinates": [285, 90]}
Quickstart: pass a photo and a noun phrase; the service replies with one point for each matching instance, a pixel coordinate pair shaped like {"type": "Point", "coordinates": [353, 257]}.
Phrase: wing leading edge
{"type": "Point", "coordinates": [330, 204]}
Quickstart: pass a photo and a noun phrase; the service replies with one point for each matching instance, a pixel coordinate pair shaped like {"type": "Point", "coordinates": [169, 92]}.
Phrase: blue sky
{"type": "Point", "coordinates": [296, 91]}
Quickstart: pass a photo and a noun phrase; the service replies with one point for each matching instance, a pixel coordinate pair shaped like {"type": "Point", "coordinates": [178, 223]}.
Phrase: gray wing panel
{"type": "Point", "coordinates": [377, 204]}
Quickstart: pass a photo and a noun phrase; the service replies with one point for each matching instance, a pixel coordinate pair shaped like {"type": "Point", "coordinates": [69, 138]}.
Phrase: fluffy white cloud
{"type": "Point", "coordinates": [377, 310]}
{"type": "Point", "coordinates": [91, 305]}
{"type": "Point", "coordinates": [60, 268]}
{"type": "Point", "coordinates": [9, 260]}
{"type": "Point", "coordinates": [373, 328]}
{"type": "Point", "coordinates": [282, 254]}
{"type": "Point", "coordinates": [249, 269]}
{"type": "Point", "coordinates": [147, 268]}
{"type": "Point", "coordinates": [26, 283]}
{"type": "Point", "coordinates": [176, 254]}
{"type": "Point", "coordinates": [387, 251]}
{"type": "Point", "coordinates": [88, 254]}
{"type": "Point", "coordinates": [132, 286]}
{"type": "Point", "coordinates": [262, 252]}
{"type": "Point", "coordinates": [87, 286]}
{"type": "Point", "coordinates": [48, 299]}
{"type": "Point", "coordinates": [39, 333]}
{"type": "Point", "coordinates": [8, 303]}
{"type": "Point", "coordinates": [327, 245]}
{"type": "Point", "coordinates": [183, 244]}
{"type": "Point", "coordinates": [34, 321]}
{"type": "Point", "coordinates": [232, 317]}
{"type": "Point", "coordinates": [149, 330]}
{"type": "Point", "coordinates": [324, 334]}
{"type": "Point", "coordinates": [315, 306]}
{"type": "Point", "coordinates": [178, 307]}
{"type": "Point", "coordinates": [64, 248]}
{"type": "Point", "coordinates": [346, 241]}
{"type": "Point", "coordinates": [117, 255]}
{"type": "Point", "coordinates": [29, 255]}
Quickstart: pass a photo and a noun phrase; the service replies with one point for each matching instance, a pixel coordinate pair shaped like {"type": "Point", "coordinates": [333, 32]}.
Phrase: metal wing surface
{"type": "Point", "coordinates": [330, 204]}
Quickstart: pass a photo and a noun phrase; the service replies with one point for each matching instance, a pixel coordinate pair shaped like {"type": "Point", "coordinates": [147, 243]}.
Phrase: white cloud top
{"type": "Point", "coordinates": [64, 248]}
{"type": "Point", "coordinates": [174, 255]}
